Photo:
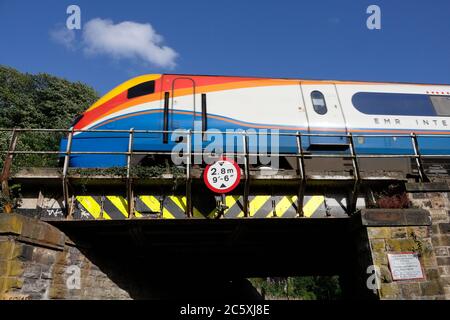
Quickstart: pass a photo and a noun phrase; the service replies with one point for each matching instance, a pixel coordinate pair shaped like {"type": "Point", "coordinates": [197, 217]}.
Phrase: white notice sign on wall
{"type": "Point", "coordinates": [405, 266]}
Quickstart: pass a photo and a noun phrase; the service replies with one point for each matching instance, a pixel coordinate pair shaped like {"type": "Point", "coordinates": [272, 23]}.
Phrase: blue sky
{"type": "Point", "coordinates": [316, 39]}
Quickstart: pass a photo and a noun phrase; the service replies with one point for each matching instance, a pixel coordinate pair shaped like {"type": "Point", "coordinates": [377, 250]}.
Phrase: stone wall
{"type": "Point", "coordinates": [438, 205]}
{"type": "Point", "coordinates": [408, 231]}
{"type": "Point", "coordinates": [38, 262]}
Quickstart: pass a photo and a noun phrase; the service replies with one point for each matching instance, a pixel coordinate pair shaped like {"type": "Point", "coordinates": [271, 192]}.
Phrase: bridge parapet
{"type": "Point", "coordinates": [314, 172]}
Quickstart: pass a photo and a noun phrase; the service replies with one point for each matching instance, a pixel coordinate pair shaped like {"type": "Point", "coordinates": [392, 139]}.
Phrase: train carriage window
{"type": "Point", "coordinates": [318, 101]}
{"type": "Point", "coordinates": [441, 105]}
{"type": "Point", "coordinates": [141, 89]}
{"type": "Point", "coordinates": [394, 104]}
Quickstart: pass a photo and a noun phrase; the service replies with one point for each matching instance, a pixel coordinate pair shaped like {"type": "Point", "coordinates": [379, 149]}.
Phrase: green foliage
{"type": "Point", "coordinates": [14, 198]}
{"type": "Point", "coordinates": [136, 171]}
{"type": "Point", "coordinates": [303, 288]}
{"type": "Point", "coordinates": [39, 101]}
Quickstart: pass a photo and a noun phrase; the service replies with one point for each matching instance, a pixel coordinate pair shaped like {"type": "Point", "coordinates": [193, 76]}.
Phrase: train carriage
{"type": "Point", "coordinates": [380, 116]}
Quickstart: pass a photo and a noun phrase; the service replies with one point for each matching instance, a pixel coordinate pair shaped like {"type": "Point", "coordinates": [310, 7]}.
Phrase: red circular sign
{"type": "Point", "coordinates": [222, 176]}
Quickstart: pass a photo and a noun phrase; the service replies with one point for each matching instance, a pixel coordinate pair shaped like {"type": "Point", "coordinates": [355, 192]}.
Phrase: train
{"type": "Point", "coordinates": [380, 116]}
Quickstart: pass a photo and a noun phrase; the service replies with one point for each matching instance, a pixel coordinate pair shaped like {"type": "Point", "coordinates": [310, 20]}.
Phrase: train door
{"type": "Point", "coordinates": [325, 116]}
{"type": "Point", "coordinates": [182, 109]}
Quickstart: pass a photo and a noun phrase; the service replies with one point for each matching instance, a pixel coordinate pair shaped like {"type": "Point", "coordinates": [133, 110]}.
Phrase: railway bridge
{"type": "Point", "coordinates": [144, 232]}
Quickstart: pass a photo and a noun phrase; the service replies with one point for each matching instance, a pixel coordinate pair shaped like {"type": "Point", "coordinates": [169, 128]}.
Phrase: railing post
{"type": "Point", "coordinates": [247, 174]}
{"type": "Point", "coordinates": [7, 169]}
{"type": "Point", "coordinates": [302, 174]}
{"type": "Point", "coordinates": [130, 196]}
{"type": "Point", "coordinates": [65, 180]}
{"type": "Point", "coordinates": [418, 158]}
{"type": "Point", "coordinates": [353, 199]}
{"type": "Point", "coordinates": [188, 175]}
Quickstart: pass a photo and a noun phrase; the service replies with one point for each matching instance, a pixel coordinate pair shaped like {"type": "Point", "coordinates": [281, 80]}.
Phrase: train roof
{"type": "Point", "coordinates": [148, 77]}
{"type": "Point", "coordinates": [318, 80]}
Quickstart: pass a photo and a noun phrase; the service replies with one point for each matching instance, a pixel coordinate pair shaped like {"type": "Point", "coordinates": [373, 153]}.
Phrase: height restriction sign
{"type": "Point", "coordinates": [222, 176]}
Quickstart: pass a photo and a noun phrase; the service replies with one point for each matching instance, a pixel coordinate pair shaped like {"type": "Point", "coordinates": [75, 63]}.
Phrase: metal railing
{"type": "Point", "coordinates": [245, 154]}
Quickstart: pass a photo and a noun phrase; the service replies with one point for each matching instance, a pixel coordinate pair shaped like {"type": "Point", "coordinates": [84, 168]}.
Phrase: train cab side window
{"type": "Point", "coordinates": [441, 104]}
{"type": "Point", "coordinates": [318, 102]}
{"type": "Point", "coordinates": [141, 89]}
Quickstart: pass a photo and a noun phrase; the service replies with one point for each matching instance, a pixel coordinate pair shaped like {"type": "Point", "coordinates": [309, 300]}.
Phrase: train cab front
{"type": "Point", "coordinates": [99, 137]}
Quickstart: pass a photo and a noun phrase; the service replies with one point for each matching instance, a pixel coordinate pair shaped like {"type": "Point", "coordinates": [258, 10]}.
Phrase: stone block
{"type": "Point", "coordinates": [398, 233]}
{"type": "Point", "coordinates": [11, 268]}
{"type": "Point", "coordinates": [11, 224]}
{"type": "Point", "coordinates": [15, 296]}
{"type": "Point", "coordinates": [43, 233]}
{"type": "Point", "coordinates": [431, 288]}
{"type": "Point", "coordinates": [441, 240]}
{"type": "Point", "coordinates": [9, 250]}
{"type": "Point", "coordinates": [58, 292]}
{"type": "Point", "coordinates": [447, 293]}
{"type": "Point", "coordinates": [26, 253]}
{"type": "Point", "coordinates": [5, 248]}
{"type": "Point", "coordinates": [390, 291]}
{"type": "Point", "coordinates": [44, 256]}
{"type": "Point", "coordinates": [35, 286]}
{"type": "Point", "coordinates": [378, 245]}
{"type": "Point", "coordinates": [400, 245]}
{"type": "Point", "coordinates": [32, 229]}
{"type": "Point", "coordinates": [47, 275]}
{"type": "Point", "coordinates": [15, 268]}
{"type": "Point", "coordinates": [444, 270]}
{"type": "Point", "coordinates": [445, 281]}
{"type": "Point", "coordinates": [419, 195]}
{"type": "Point", "coordinates": [443, 261]}
{"type": "Point", "coordinates": [379, 232]}
{"type": "Point", "coordinates": [32, 271]}
{"type": "Point", "coordinates": [385, 274]}
{"type": "Point", "coordinates": [441, 251]}
{"type": "Point", "coordinates": [444, 228]}
{"type": "Point", "coordinates": [420, 232]}
{"type": "Point", "coordinates": [439, 202]}
{"type": "Point", "coordinates": [435, 229]}
{"type": "Point", "coordinates": [439, 215]}
{"type": "Point", "coordinates": [410, 290]}
{"type": "Point", "coordinates": [380, 259]}
{"type": "Point", "coordinates": [432, 273]}
{"type": "Point", "coordinates": [8, 283]}
{"type": "Point", "coordinates": [428, 261]}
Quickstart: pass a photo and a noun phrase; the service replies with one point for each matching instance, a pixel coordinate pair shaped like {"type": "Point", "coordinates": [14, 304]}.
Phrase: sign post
{"type": "Point", "coordinates": [222, 176]}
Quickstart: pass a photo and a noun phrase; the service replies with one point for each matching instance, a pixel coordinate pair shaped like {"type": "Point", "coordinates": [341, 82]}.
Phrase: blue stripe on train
{"type": "Point", "coordinates": [118, 142]}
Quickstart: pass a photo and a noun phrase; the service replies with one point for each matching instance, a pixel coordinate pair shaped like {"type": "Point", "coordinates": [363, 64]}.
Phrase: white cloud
{"type": "Point", "coordinates": [64, 36]}
{"type": "Point", "coordinates": [128, 39]}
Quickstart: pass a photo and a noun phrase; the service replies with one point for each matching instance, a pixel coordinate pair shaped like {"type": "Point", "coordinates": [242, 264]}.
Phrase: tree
{"type": "Point", "coordinates": [304, 288]}
{"type": "Point", "coordinates": [39, 101]}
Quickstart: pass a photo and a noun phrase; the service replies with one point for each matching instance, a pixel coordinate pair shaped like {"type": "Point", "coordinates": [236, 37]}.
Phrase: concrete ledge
{"type": "Point", "coordinates": [395, 217]}
{"type": "Point", "coordinates": [31, 230]}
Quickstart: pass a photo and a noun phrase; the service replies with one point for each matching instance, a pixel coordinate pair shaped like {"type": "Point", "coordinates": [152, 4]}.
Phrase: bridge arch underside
{"type": "Point", "coordinates": [196, 258]}
{"type": "Point", "coordinates": [241, 248]}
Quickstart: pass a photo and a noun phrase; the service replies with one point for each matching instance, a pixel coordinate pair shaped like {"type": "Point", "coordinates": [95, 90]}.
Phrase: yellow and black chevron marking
{"type": "Point", "coordinates": [115, 207]}
{"type": "Point", "coordinates": [272, 206]}
{"type": "Point", "coordinates": [174, 207]}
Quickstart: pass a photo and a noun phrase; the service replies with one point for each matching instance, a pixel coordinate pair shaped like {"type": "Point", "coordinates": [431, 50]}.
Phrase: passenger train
{"type": "Point", "coordinates": [389, 112]}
